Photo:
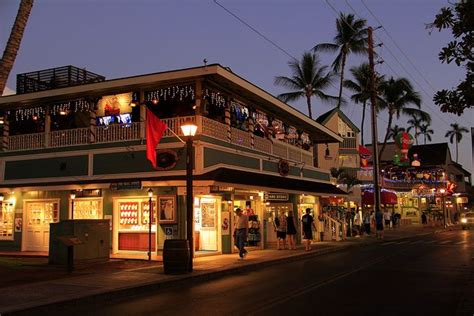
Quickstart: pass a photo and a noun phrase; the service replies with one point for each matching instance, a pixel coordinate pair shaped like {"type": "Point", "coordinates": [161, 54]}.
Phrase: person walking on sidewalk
{"type": "Point", "coordinates": [367, 219]}
{"type": "Point", "coordinates": [291, 231]}
{"type": "Point", "coordinates": [358, 223]}
{"type": "Point", "coordinates": [387, 215]}
{"type": "Point", "coordinates": [280, 224]}
{"type": "Point", "coordinates": [321, 225]}
{"type": "Point", "coordinates": [308, 226]}
{"type": "Point", "coordinates": [241, 230]}
{"type": "Point", "coordinates": [379, 224]}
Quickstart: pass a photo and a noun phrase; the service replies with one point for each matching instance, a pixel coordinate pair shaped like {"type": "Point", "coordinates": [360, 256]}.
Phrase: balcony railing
{"type": "Point", "coordinates": [135, 131]}
{"type": "Point", "coordinates": [349, 143]}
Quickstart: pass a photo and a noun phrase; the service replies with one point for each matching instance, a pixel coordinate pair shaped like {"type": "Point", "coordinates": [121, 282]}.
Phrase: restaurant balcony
{"type": "Point", "coordinates": [348, 143]}
{"type": "Point", "coordinates": [116, 133]}
{"type": "Point", "coordinates": [409, 185]}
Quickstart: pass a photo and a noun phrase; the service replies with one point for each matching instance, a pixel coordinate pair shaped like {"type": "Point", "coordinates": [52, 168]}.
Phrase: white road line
{"type": "Point", "coordinates": [445, 242]}
{"type": "Point", "coordinates": [461, 242]}
{"type": "Point", "coordinates": [388, 243]}
{"type": "Point", "coordinates": [430, 242]}
{"type": "Point", "coordinates": [403, 242]}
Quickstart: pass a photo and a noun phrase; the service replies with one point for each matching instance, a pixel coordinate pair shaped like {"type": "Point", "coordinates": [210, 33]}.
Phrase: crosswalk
{"type": "Point", "coordinates": [431, 242]}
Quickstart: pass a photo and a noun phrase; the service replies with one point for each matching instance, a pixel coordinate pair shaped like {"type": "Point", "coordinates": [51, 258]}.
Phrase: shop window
{"type": "Point", "coordinates": [7, 217]}
{"type": "Point", "coordinates": [205, 224]}
{"type": "Point", "coordinates": [88, 208]}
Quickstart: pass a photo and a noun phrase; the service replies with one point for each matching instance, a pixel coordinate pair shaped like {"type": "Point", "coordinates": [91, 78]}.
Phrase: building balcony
{"type": "Point", "coordinates": [349, 143]}
{"type": "Point", "coordinates": [116, 133]}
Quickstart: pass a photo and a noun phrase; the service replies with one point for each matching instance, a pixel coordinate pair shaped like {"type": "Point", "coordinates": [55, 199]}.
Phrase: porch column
{"type": "Point", "coordinates": [198, 97]}
{"type": "Point", "coordinates": [141, 101]}
{"type": "Point", "coordinates": [93, 122]}
{"type": "Point", "coordinates": [6, 133]}
{"type": "Point", "coordinates": [227, 121]}
{"type": "Point", "coordinates": [47, 128]}
{"type": "Point", "coordinates": [251, 130]}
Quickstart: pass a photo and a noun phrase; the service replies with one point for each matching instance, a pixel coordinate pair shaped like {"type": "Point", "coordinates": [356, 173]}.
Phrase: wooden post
{"type": "Point", "coordinates": [141, 101]}
{"type": "Point", "coordinates": [6, 133]}
{"type": "Point", "coordinates": [93, 122]}
{"type": "Point", "coordinates": [47, 128]}
{"type": "Point", "coordinates": [227, 122]}
{"type": "Point", "coordinates": [251, 130]}
{"type": "Point", "coordinates": [198, 97]}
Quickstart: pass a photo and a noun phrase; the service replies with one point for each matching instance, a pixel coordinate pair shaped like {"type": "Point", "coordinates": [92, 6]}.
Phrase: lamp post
{"type": "Point", "coordinates": [2, 197]}
{"type": "Point", "coordinates": [150, 212]}
{"type": "Point", "coordinates": [73, 197]}
{"type": "Point", "coordinates": [443, 191]}
{"type": "Point", "coordinates": [189, 130]}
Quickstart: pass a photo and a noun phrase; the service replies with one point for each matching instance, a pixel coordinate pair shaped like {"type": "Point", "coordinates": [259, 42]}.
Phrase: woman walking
{"type": "Point", "coordinates": [291, 231]}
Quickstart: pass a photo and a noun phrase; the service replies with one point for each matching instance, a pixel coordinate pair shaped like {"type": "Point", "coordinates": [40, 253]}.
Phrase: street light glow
{"type": "Point", "coordinates": [189, 128]}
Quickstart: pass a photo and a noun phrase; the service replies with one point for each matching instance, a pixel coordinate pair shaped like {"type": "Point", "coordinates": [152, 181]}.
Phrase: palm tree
{"type": "Point", "coordinates": [351, 37]}
{"type": "Point", "coordinates": [456, 133]}
{"type": "Point", "coordinates": [426, 131]}
{"type": "Point", "coordinates": [415, 122]}
{"type": "Point", "coordinates": [350, 182]}
{"type": "Point", "coordinates": [360, 87]}
{"type": "Point", "coordinates": [394, 131]}
{"type": "Point", "coordinates": [308, 79]}
{"type": "Point", "coordinates": [14, 41]}
{"type": "Point", "coordinates": [397, 95]}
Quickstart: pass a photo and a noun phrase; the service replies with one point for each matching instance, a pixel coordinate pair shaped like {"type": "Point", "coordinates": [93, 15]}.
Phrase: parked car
{"type": "Point", "coordinates": [467, 220]}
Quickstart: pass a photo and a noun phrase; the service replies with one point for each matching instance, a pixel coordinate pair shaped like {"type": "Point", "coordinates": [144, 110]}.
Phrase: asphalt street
{"type": "Point", "coordinates": [429, 275]}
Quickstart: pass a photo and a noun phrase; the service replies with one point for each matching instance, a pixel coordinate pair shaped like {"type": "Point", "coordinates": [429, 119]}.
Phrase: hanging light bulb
{"type": "Point", "coordinates": [155, 101]}
{"type": "Point", "coordinates": [133, 103]}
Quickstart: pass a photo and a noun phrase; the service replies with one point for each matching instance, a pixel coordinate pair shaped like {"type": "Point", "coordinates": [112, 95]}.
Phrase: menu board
{"type": "Point", "coordinates": [128, 213]}
{"type": "Point", "coordinates": [146, 212]}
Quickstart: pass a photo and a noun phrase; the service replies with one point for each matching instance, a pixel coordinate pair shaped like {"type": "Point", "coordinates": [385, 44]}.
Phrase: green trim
{"type": "Point", "coordinates": [348, 151]}
{"type": "Point", "coordinates": [270, 166]}
{"type": "Point", "coordinates": [313, 174]}
{"type": "Point", "coordinates": [214, 157]}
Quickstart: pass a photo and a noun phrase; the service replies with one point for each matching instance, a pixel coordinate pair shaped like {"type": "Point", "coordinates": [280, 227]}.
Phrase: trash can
{"type": "Point", "coordinates": [176, 256]}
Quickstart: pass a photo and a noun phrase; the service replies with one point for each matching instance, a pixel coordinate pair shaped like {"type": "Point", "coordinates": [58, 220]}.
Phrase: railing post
{"type": "Point", "coordinates": [227, 122]}
{"type": "Point", "coordinates": [6, 133]}
{"type": "Point", "coordinates": [251, 130]}
{"type": "Point", "coordinates": [141, 98]}
{"type": "Point", "coordinates": [93, 123]}
{"type": "Point", "coordinates": [47, 128]}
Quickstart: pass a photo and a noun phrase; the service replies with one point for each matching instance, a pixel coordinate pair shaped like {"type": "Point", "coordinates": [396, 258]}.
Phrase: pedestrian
{"type": "Point", "coordinates": [366, 220]}
{"type": "Point", "coordinates": [280, 225]}
{"type": "Point", "coordinates": [423, 218]}
{"type": "Point", "coordinates": [241, 230]}
{"type": "Point", "coordinates": [379, 224]}
{"type": "Point", "coordinates": [291, 230]}
{"type": "Point", "coordinates": [357, 223]}
{"type": "Point", "coordinates": [321, 226]}
{"type": "Point", "coordinates": [308, 226]}
{"type": "Point", "coordinates": [388, 218]}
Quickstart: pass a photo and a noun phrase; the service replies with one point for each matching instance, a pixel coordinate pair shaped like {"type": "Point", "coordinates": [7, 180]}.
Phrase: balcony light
{"type": "Point", "coordinates": [133, 103]}
{"type": "Point", "coordinates": [62, 112]}
{"type": "Point", "coordinates": [2, 121]}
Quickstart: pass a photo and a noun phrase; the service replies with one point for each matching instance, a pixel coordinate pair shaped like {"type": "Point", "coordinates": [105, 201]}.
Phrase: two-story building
{"type": "Point", "coordinates": [74, 146]}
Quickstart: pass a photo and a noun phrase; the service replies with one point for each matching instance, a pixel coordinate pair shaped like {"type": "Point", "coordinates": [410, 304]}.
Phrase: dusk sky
{"type": "Point", "coordinates": [124, 38]}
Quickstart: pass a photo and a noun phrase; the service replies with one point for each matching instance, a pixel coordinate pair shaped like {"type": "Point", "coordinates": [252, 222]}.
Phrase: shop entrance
{"type": "Point", "coordinates": [272, 210]}
{"type": "Point", "coordinates": [251, 207]}
{"type": "Point", "coordinates": [206, 227]}
{"type": "Point", "coordinates": [37, 216]}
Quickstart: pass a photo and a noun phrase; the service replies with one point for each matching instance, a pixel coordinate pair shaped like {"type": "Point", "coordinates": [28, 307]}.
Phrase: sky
{"type": "Point", "coordinates": [119, 38]}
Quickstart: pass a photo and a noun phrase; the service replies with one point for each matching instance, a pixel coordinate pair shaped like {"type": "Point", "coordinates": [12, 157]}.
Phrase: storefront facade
{"type": "Point", "coordinates": [101, 171]}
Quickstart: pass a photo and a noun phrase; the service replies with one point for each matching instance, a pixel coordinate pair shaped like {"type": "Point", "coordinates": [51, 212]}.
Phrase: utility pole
{"type": "Point", "coordinates": [373, 101]}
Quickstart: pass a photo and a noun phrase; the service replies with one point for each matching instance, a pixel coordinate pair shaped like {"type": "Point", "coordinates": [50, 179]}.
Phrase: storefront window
{"type": "Point", "coordinates": [7, 216]}
{"type": "Point", "coordinates": [249, 208]}
{"type": "Point", "coordinates": [205, 224]}
{"type": "Point", "coordinates": [88, 208]}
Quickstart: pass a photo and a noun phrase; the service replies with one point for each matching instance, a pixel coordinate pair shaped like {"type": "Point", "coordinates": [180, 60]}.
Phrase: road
{"type": "Point", "coordinates": [429, 275]}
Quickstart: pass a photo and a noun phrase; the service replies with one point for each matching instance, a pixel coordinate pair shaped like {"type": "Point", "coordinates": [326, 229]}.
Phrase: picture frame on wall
{"type": "Point", "coordinates": [167, 209]}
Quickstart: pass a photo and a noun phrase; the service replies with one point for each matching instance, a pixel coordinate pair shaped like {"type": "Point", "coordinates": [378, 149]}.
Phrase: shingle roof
{"type": "Point", "coordinates": [323, 118]}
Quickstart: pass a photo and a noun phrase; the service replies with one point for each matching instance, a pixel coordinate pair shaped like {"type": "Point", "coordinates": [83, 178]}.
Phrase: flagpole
{"type": "Point", "coordinates": [176, 135]}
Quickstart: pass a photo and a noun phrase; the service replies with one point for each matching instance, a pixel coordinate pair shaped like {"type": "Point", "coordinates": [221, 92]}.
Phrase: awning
{"type": "Point", "coordinates": [386, 197]}
{"type": "Point", "coordinates": [231, 176]}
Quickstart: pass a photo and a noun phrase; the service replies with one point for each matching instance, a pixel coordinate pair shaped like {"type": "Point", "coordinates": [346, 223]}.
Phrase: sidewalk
{"type": "Point", "coordinates": [96, 285]}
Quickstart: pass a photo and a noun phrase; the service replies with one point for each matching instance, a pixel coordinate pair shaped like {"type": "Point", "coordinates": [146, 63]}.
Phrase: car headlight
{"type": "Point", "coordinates": [464, 220]}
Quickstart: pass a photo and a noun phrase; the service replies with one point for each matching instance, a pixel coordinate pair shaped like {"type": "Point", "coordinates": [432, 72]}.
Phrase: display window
{"type": "Point", "coordinates": [38, 214]}
{"type": "Point", "coordinates": [87, 208]}
{"type": "Point", "coordinates": [7, 217]}
{"type": "Point", "coordinates": [131, 224]}
{"type": "Point", "coordinates": [206, 219]}
{"type": "Point", "coordinates": [250, 208]}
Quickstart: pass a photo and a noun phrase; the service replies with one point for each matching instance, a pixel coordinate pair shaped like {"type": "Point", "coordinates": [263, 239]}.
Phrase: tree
{"type": "Point", "coordinates": [308, 79]}
{"type": "Point", "coordinates": [456, 132]}
{"type": "Point", "coordinates": [397, 95]}
{"type": "Point", "coordinates": [14, 41]}
{"type": "Point", "coordinates": [360, 87]}
{"type": "Point", "coordinates": [351, 38]}
{"type": "Point", "coordinates": [394, 131]}
{"type": "Point", "coordinates": [350, 182]}
{"type": "Point", "coordinates": [426, 131]}
{"type": "Point", "coordinates": [460, 19]}
{"type": "Point", "coordinates": [415, 123]}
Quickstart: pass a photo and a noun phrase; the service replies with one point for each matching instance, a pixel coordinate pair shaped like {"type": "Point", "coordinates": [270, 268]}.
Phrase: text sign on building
{"type": "Point", "coordinates": [276, 196]}
{"type": "Point", "coordinates": [126, 185]}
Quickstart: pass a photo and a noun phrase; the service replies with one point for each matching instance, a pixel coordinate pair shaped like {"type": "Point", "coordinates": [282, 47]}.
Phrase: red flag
{"type": "Point", "coordinates": [154, 131]}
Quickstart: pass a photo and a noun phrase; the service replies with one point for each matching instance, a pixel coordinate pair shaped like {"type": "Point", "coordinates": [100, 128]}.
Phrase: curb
{"type": "Point", "coordinates": [197, 277]}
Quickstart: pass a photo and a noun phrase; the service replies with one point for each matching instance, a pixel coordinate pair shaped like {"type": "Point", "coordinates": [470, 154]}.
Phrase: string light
{"type": "Point", "coordinates": [182, 92]}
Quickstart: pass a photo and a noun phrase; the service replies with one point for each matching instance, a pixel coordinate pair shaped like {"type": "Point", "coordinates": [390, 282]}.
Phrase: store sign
{"type": "Point", "coordinates": [196, 190]}
{"type": "Point", "coordinates": [276, 196]}
{"type": "Point", "coordinates": [89, 193]}
{"type": "Point", "coordinates": [217, 188]}
{"type": "Point", "coordinates": [126, 185]}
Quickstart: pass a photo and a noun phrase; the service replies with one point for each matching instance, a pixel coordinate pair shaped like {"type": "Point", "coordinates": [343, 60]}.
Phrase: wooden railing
{"type": "Point", "coordinates": [348, 143]}
{"type": "Point", "coordinates": [69, 137]}
{"type": "Point", "coordinates": [120, 133]}
{"type": "Point", "coordinates": [26, 142]}
{"type": "Point", "coordinates": [334, 229]}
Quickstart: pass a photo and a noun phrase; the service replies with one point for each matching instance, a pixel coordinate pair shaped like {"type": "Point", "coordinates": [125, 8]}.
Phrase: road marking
{"type": "Point", "coordinates": [461, 242]}
{"type": "Point", "coordinates": [445, 242]}
{"type": "Point", "coordinates": [430, 242]}
{"type": "Point", "coordinates": [403, 242]}
{"type": "Point", "coordinates": [417, 242]}
{"type": "Point", "coordinates": [388, 243]}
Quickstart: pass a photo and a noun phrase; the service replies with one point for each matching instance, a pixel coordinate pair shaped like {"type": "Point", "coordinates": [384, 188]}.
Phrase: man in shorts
{"type": "Point", "coordinates": [308, 226]}
{"type": "Point", "coordinates": [379, 224]}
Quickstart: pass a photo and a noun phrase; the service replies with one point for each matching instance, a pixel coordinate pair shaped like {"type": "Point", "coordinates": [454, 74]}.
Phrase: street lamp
{"type": "Point", "coordinates": [189, 130]}
{"type": "Point", "coordinates": [73, 197]}
{"type": "Point", "coordinates": [150, 212]}
{"type": "Point", "coordinates": [443, 191]}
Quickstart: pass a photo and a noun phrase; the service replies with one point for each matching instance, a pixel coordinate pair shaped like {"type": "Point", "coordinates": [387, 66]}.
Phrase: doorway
{"type": "Point", "coordinates": [37, 216]}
